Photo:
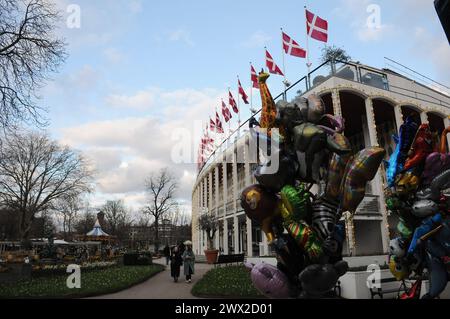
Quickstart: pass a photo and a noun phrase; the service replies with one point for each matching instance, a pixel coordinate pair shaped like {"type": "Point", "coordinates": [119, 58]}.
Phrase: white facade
{"type": "Point", "coordinates": [373, 102]}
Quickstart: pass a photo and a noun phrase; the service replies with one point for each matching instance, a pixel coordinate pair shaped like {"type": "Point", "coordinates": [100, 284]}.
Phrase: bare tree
{"type": "Point", "coordinates": [115, 213]}
{"type": "Point", "coordinates": [29, 51]}
{"type": "Point", "coordinates": [68, 207]}
{"type": "Point", "coordinates": [161, 187]}
{"type": "Point", "coordinates": [35, 172]}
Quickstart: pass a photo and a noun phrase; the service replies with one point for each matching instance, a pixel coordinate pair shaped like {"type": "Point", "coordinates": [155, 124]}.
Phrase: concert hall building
{"type": "Point", "coordinates": [373, 103]}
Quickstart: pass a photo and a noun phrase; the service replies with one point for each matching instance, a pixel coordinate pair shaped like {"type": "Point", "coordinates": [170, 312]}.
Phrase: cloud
{"type": "Point", "coordinates": [114, 56]}
{"type": "Point", "coordinates": [135, 6]}
{"type": "Point", "coordinates": [435, 49]}
{"type": "Point", "coordinates": [141, 100]}
{"type": "Point", "coordinates": [181, 35]}
{"type": "Point", "coordinates": [257, 39]}
{"type": "Point", "coordinates": [125, 151]}
{"type": "Point", "coordinates": [360, 16]}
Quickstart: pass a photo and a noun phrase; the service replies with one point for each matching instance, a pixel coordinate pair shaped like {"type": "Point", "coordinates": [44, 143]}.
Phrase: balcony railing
{"type": "Point", "coordinates": [345, 70]}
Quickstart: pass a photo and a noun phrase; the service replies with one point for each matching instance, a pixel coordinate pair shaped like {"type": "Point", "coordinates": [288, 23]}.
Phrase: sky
{"type": "Point", "coordinates": [142, 76]}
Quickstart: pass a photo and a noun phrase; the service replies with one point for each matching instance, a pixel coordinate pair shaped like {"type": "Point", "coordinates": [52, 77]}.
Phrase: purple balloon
{"type": "Point", "coordinates": [435, 164]}
{"type": "Point", "coordinates": [269, 280]}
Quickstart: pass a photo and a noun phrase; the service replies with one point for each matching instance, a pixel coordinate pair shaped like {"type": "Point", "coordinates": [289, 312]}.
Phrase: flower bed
{"type": "Point", "coordinates": [41, 270]}
{"type": "Point", "coordinates": [226, 282]}
{"type": "Point", "coordinates": [93, 283]}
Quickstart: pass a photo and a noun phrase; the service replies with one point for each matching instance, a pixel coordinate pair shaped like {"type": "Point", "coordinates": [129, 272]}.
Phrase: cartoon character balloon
{"type": "Point", "coordinates": [303, 228]}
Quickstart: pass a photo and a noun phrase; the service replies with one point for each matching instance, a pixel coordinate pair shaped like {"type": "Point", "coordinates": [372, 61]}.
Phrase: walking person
{"type": "Point", "coordinates": [189, 262]}
{"type": "Point", "coordinates": [175, 263]}
{"type": "Point", "coordinates": [167, 254]}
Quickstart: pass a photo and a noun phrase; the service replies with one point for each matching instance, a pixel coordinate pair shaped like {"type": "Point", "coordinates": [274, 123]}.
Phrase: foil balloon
{"type": "Point", "coordinates": [279, 171]}
{"type": "Point", "coordinates": [421, 147]}
{"type": "Point", "coordinates": [434, 165]}
{"type": "Point", "coordinates": [261, 206]}
{"type": "Point", "coordinates": [399, 270]}
{"type": "Point", "coordinates": [296, 203]}
{"type": "Point", "coordinates": [404, 141]}
{"type": "Point", "coordinates": [324, 216]}
{"type": "Point", "coordinates": [306, 240]}
{"type": "Point", "coordinates": [443, 145]}
{"type": "Point", "coordinates": [318, 279]}
{"type": "Point", "coordinates": [361, 169]}
{"type": "Point", "coordinates": [269, 111]}
{"type": "Point", "coordinates": [337, 167]}
{"type": "Point", "coordinates": [270, 281]}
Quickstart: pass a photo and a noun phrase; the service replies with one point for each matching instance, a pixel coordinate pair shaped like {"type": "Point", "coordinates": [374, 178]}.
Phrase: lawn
{"type": "Point", "coordinates": [226, 282]}
{"type": "Point", "coordinates": [93, 283]}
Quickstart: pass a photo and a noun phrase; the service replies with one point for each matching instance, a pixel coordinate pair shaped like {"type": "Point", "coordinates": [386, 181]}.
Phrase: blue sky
{"type": "Point", "coordinates": [138, 70]}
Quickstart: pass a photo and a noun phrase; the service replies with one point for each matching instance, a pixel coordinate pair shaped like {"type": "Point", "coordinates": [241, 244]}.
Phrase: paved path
{"type": "Point", "coordinates": [161, 286]}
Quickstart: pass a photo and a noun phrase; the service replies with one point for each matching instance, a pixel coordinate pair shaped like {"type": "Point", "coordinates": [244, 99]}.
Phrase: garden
{"type": "Point", "coordinates": [96, 279]}
{"type": "Point", "coordinates": [226, 282]}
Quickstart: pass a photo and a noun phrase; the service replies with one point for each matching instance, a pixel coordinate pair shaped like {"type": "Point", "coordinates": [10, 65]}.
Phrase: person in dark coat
{"type": "Point", "coordinates": [167, 254]}
{"type": "Point", "coordinates": [175, 263]}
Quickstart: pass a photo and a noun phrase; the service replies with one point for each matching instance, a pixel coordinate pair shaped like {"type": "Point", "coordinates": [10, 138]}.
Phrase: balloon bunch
{"type": "Point", "coordinates": [418, 174]}
{"type": "Point", "coordinates": [305, 229]}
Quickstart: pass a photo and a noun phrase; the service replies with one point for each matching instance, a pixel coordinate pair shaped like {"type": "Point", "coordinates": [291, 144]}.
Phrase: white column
{"type": "Point", "coordinates": [236, 234]}
{"type": "Point", "coordinates": [225, 236]}
{"type": "Point", "coordinates": [265, 244]}
{"type": "Point", "coordinates": [249, 238]}
{"type": "Point", "coordinates": [235, 196]}
{"type": "Point", "coordinates": [336, 102]}
{"type": "Point", "coordinates": [210, 192]}
{"type": "Point", "coordinates": [248, 181]}
{"type": "Point", "coordinates": [371, 122]}
{"type": "Point", "coordinates": [398, 116]}
{"type": "Point", "coordinates": [424, 117]}
{"type": "Point", "coordinates": [377, 184]}
{"type": "Point", "coordinates": [447, 124]}
{"type": "Point", "coordinates": [216, 177]}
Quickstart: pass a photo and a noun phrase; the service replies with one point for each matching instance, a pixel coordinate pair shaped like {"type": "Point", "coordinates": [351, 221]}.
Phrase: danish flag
{"type": "Point", "coordinates": [212, 125]}
{"type": "Point", "coordinates": [233, 103]}
{"type": "Point", "coordinates": [292, 48]}
{"type": "Point", "coordinates": [271, 65]}
{"type": "Point", "coordinates": [219, 127]}
{"type": "Point", "coordinates": [254, 77]}
{"type": "Point", "coordinates": [244, 96]}
{"type": "Point", "coordinates": [316, 27]}
{"type": "Point", "coordinates": [226, 112]}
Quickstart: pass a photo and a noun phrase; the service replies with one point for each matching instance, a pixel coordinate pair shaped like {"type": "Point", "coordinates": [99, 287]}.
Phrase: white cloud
{"type": "Point", "coordinates": [114, 56]}
{"type": "Point", "coordinates": [357, 13]}
{"type": "Point", "coordinates": [141, 100]}
{"type": "Point", "coordinates": [135, 6]}
{"type": "Point", "coordinates": [181, 35]}
{"type": "Point", "coordinates": [435, 49]}
{"type": "Point", "coordinates": [257, 39]}
{"type": "Point", "coordinates": [367, 34]}
{"type": "Point", "coordinates": [125, 151]}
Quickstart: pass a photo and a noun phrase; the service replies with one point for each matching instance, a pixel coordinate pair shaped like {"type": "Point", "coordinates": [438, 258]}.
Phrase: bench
{"type": "Point", "coordinates": [229, 259]}
{"type": "Point", "coordinates": [382, 291]}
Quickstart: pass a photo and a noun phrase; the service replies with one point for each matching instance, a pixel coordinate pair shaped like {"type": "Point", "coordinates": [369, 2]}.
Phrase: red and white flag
{"type": "Point", "coordinates": [212, 125]}
{"type": "Point", "coordinates": [254, 77]}
{"type": "Point", "coordinates": [316, 27]}
{"type": "Point", "coordinates": [233, 103]}
{"type": "Point", "coordinates": [244, 95]}
{"type": "Point", "coordinates": [271, 65]}
{"type": "Point", "coordinates": [219, 127]}
{"type": "Point", "coordinates": [226, 112]}
{"type": "Point", "coordinates": [292, 48]}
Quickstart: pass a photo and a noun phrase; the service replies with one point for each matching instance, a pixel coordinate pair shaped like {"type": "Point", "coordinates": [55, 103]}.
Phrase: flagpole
{"type": "Point", "coordinates": [251, 90]}
{"type": "Point", "coordinates": [239, 109]}
{"type": "Point", "coordinates": [308, 61]}
{"type": "Point", "coordinates": [284, 66]}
